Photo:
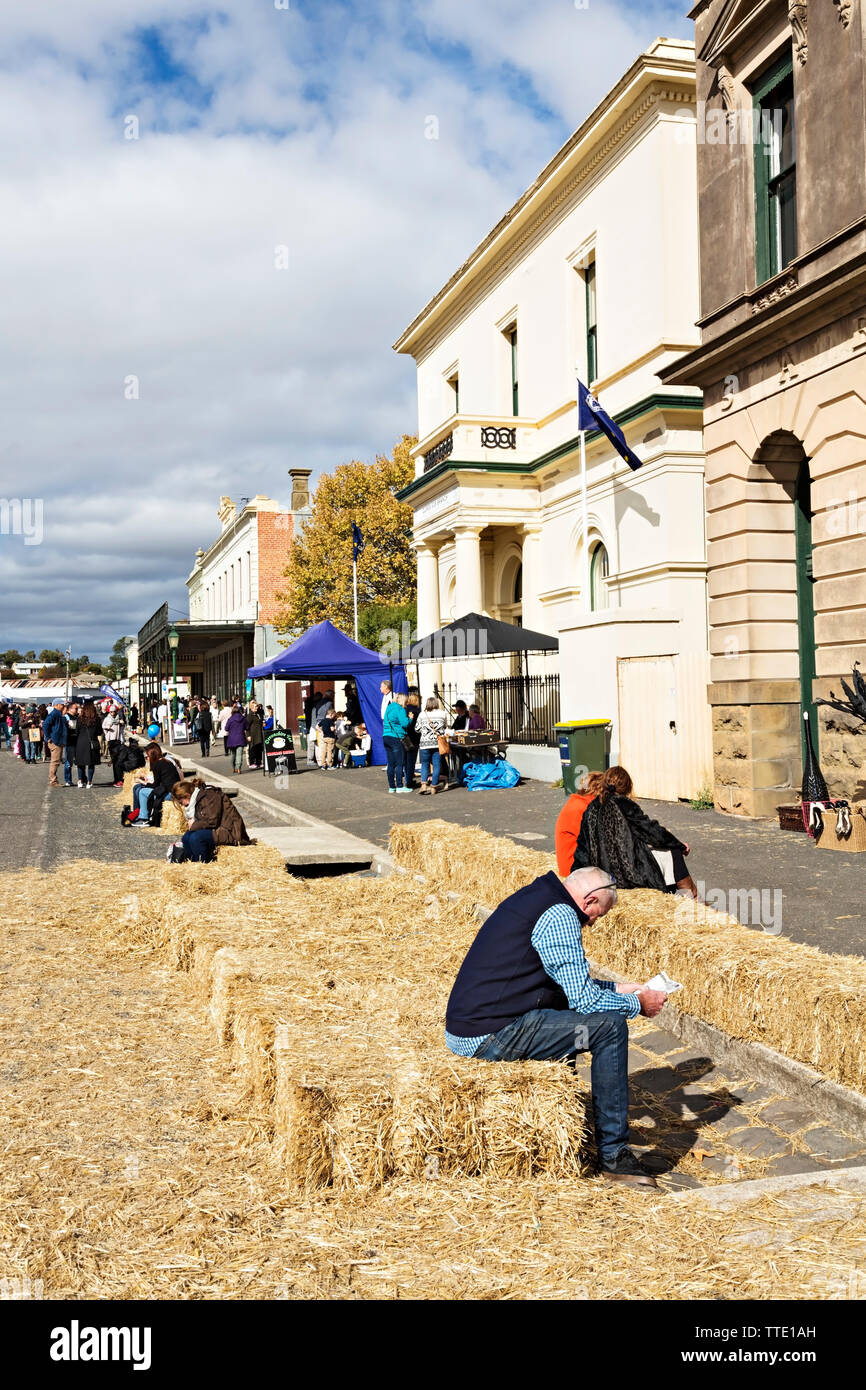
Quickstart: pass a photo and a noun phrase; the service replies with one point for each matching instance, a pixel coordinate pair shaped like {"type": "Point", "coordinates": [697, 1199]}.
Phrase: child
{"type": "Point", "coordinates": [327, 727]}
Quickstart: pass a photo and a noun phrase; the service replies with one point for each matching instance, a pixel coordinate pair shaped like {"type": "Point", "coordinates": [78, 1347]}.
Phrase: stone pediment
{"type": "Point", "coordinates": [735, 20]}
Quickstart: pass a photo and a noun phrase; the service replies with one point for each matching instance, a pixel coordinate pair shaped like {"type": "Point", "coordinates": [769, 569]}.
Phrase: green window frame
{"type": "Point", "coordinates": [591, 324]}
{"type": "Point", "coordinates": [511, 335]}
{"type": "Point", "coordinates": [774, 145]}
{"type": "Point", "coordinates": [599, 569]}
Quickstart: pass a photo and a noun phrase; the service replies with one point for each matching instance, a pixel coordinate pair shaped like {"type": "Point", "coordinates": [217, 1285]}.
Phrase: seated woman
{"type": "Point", "coordinates": [637, 852]}
{"type": "Point", "coordinates": [569, 820]}
{"type": "Point", "coordinates": [212, 819]}
{"type": "Point", "coordinates": [158, 776]}
{"type": "Point", "coordinates": [476, 718]}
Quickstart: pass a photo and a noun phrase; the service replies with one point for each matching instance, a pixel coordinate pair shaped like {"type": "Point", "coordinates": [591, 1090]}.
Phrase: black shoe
{"type": "Point", "coordinates": [626, 1168]}
{"type": "Point", "coordinates": [124, 815]}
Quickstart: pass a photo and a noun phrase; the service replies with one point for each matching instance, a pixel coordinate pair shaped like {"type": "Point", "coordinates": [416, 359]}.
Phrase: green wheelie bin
{"type": "Point", "coordinates": [582, 748]}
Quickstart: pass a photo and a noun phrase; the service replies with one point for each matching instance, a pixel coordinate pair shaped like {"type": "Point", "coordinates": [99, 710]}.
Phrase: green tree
{"type": "Point", "coordinates": [30, 656]}
{"type": "Point", "coordinates": [319, 572]}
{"type": "Point", "coordinates": [10, 657]}
{"type": "Point", "coordinates": [50, 656]}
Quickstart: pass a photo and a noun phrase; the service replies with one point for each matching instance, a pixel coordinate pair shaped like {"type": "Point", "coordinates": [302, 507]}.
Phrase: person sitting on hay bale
{"type": "Point", "coordinates": [524, 992]}
{"type": "Point", "coordinates": [158, 776]}
{"type": "Point", "coordinates": [620, 838]}
{"type": "Point", "coordinates": [570, 818]}
{"type": "Point", "coordinates": [212, 818]}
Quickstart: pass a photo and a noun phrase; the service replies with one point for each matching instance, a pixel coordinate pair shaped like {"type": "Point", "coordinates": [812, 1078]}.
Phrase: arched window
{"type": "Point", "coordinates": [518, 585]}
{"type": "Point", "coordinates": [599, 569]}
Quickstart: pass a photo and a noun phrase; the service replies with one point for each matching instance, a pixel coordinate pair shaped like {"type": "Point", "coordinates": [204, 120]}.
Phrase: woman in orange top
{"type": "Point", "coordinates": [569, 819]}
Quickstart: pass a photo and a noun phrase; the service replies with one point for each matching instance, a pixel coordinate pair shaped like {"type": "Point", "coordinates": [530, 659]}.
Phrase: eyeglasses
{"type": "Point", "coordinates": [599, 886]}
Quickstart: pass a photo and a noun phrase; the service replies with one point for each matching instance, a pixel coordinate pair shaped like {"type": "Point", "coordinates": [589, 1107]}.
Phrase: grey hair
{"type": "Point", "coordinates": [585, 881]}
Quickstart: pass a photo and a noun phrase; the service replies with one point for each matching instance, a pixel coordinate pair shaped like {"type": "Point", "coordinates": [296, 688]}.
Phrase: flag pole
{"type": "Point", "coordinates": [355, 590]}
{"type": "Point", "coordinates": [583, 505]}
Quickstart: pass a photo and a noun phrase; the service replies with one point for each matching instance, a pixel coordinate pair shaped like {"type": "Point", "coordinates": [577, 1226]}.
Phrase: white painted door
{"type": "Point", "coordinates": [665, 724]}
{"type": "Point", "coordinates": [649, 746]}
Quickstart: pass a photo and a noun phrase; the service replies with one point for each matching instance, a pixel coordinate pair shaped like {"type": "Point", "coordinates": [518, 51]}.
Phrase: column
{"type": "Point", "coordinates": [468, 569]}
{"type": "Point", "coordinates": [531, 560]}
{"type": "Point", "coordinates": [428, 589]}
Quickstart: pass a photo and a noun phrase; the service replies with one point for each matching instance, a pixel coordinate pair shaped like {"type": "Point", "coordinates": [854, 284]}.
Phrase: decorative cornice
{"type": "Point", "coordinates": [656, 93]}
{"type": "Point", "coordinates": [780, 291]}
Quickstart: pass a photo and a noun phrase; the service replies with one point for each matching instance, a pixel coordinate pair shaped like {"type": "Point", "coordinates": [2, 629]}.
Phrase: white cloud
{"type": "Point", "coordinates": [155, 257]}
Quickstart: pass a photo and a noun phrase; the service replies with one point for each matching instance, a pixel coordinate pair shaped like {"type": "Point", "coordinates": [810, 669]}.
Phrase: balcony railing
{"type": "Point", "coordinates": [498, 437]}
{"type": "Point", "coordinates": [439, 453]}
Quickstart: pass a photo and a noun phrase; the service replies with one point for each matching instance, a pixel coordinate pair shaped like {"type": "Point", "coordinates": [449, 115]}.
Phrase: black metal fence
{"type": "Point", "coordinates": [523, 708]}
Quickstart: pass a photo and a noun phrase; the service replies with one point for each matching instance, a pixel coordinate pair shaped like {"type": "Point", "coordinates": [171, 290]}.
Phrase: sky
{"type": "Point", "coordinates": [216, 219]}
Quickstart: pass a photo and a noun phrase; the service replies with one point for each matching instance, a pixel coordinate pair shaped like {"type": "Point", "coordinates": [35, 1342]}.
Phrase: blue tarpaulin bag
{"type": "Point", "coordinates": [480, 777]}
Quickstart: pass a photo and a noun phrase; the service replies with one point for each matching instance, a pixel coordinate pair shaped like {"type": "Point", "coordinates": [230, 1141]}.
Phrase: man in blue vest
{"type": "Point", "coordinates": [524, 992]}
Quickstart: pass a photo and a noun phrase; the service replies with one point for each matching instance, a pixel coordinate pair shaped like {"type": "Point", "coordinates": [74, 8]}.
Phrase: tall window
{"type": "Point", "coordinates": [599, 569]}
{"type": "Point", "coordinates": [591, 325]}
{"type": "Point", "coordinates": [511, 337]}
{"type": "Point", "coordinates": [775, 171]}
{"type": "Point", "coordinates": [454, 383]}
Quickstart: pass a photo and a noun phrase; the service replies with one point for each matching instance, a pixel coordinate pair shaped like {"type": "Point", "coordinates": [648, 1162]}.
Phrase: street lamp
{"type": "Point", "coordinates": [174, 643]}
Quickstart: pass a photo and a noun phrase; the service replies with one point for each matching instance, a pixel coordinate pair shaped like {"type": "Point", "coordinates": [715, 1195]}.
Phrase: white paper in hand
{"type": "Point", "coordinates": [662, 981]}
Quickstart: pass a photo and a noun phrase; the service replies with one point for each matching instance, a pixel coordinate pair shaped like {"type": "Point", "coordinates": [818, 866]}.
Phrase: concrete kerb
{"type": "Point", "coordinates": [380, 860]}
{"type": "Point", "coordinates": [734, 1194]}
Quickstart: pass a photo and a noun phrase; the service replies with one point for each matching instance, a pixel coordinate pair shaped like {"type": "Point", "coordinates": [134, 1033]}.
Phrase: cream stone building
{"type": "Point", "coordinates": [782, 186]}
{"type": "Point", "coordinates": [595, 268]}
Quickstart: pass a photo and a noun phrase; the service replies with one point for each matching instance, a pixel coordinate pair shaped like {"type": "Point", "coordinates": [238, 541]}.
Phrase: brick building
{"type": "Point", "coordinates": [233, 588]}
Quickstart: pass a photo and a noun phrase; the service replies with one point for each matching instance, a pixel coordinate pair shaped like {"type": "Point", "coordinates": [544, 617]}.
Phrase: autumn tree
{"type": "Point", "coordinates": [319, 572]}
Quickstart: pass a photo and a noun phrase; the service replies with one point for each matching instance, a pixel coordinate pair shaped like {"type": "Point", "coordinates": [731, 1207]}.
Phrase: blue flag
{"type": "Point", "coordinates": [590, 416]}
{"type": "Point", "coordinates": [112, 694]}
{"type": "Point", "coordinates": [357, 541]}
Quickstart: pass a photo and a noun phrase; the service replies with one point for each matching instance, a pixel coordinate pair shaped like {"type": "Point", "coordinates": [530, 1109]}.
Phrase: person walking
{"type": "Point", "coordinates": [224, 717]}
{"type": "Point", "coordinates": [55, 738]}
{"type": "Point", "coordinates": [328, 730]}
{"type": "Point", "coordinates": [430, 727]}
{"type": "Point", "coordinates": [204, 724]}
{"type": "Point", "coordinates": [256, 735]}
{"type": "Point", "coordinates": [37, 740]}
{"type": "Point", "coordinates": [87, 757]}
{"type": "Point", "coordinates": [133, 718]}
{"type": "Point", "coordinates": [620, 838]}
{"type": "Point", "coordinates": [394, 726]}
{"type": "Point", "coordinates": [71, 717]}
{"type": "Point", "coordinates": [236, 737]}
{"type": "Point", "coordinates": [4, 724]}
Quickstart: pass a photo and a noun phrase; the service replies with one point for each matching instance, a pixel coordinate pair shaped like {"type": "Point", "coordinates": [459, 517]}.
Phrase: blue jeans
{"type": "Point", "coordinates": [141, 800]}
{"type": "Point", "coordinates": [199, 845]}
{"type": "Point", "coordinates": [396, 762]}
{"type": "Point", "coordinates": [426, 755]}
{"type": "Point", "coordinates": [561, 1034]}
{"type": "Point", "coordinates": [68, 764]}
{"type": "Point", "coordinates": [29, 751]}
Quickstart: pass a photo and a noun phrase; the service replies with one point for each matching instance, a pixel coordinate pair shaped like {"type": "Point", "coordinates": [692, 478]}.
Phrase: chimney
{"type": "Point", "coordinates": [300, 489]}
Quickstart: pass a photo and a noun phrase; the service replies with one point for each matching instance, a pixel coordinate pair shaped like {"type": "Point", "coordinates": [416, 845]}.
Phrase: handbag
{"type": "Point", "coordinates": [444, 745]}
{"type": "Point", "coordinates": [408, 743]}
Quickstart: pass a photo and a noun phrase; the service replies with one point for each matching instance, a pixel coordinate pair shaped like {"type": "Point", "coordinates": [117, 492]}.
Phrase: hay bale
{"type": "Point", "coordinates": [466, 859]}
{"type": "Point", "coordinates": [173, 819]}
{"type": "Point", "coordinates": [803, 1002]}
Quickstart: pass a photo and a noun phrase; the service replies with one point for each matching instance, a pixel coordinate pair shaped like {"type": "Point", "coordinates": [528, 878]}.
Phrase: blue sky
{"type": "Point", "coordinates": [153, 257]}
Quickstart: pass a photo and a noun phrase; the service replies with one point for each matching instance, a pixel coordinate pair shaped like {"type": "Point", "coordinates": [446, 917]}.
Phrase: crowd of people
{"type": "Point", "coordinates": [416, 737]}
{"type": "Point", "coordinates": [73, 737]}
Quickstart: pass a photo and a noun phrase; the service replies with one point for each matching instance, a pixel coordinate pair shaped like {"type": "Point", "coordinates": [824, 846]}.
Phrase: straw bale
{"type": "Point", "coordinates": [130, 1169]}
{"type": "Point", "coordinates": [467, 859]}
{"type": "Point", "coordinates": [803, 1002]}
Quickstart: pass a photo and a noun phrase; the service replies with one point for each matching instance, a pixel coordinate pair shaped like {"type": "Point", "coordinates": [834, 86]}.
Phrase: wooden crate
{"type": "Point", "coordinates": [856, 841]}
